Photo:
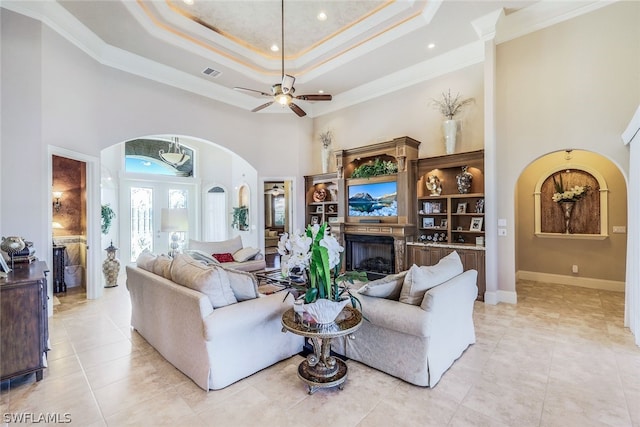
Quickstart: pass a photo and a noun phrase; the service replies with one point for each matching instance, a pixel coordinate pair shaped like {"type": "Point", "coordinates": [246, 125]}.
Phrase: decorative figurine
{"type": "Point", "coordinates": [464, 179]}
{"type": "Point", "coordinates": [111, 267]}
{"type": "Point", "coordinates": [433, 185]}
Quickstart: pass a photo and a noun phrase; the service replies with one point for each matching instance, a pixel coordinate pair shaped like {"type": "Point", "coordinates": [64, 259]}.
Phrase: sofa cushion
{"type": "Point", "coordinates": [210, 280]}
{"type": "Point", "coordinates": [244, 285]}
{"type": "Point", "coordinates": [388, 287]}
{"type": "Point", "coordinates": [230, 246]}
{"type": "Point", "coordinates": [162, 266]}
{"type": "Point", "coordinates": [201, 256]}
{"type": "Point", "coordinates": [245, 254]}
{"type": "Point", "coordinates": [146, 260]}
{"type": "Point", "coordinates": [420, 279]}
{"type": "Point", "coordinates": [226, 257]}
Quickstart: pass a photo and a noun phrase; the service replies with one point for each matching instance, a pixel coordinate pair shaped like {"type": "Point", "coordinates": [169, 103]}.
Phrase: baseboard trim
{"type": "Point", "coordinates": [583, 282]}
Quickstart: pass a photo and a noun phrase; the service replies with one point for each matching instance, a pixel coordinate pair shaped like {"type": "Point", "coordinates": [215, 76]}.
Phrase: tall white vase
{"type": "Point", "coordinates": [450, 129]}
{"type": "Point", "coordinates": [326, 155]}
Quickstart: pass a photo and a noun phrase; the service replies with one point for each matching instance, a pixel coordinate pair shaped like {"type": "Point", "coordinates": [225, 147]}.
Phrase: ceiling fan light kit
{"type": "Point", "coordinates": [282, 93]}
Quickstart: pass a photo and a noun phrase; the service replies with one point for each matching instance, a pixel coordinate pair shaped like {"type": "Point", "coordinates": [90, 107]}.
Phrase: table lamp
{"type": "Point", "coordinates": [174, 221]}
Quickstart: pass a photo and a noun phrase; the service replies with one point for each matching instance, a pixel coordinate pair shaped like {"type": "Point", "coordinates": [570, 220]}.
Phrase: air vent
{"type": "Point", "coordinates": [211, 72]}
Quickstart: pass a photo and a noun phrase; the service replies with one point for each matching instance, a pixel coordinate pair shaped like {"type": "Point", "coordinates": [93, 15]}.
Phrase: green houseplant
{"type": "Point", "coordinates": [377, 168]}
{"type": "Point", "coordinates": [240, 218]}
{"type": "Point", "coordinates": [317, 253]}
{"type": "Point", "coordinates": [107, 216]}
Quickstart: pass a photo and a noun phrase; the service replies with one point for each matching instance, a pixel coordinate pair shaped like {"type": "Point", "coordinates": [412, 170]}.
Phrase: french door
{"type": "Point", "coordinates": [141, 216]}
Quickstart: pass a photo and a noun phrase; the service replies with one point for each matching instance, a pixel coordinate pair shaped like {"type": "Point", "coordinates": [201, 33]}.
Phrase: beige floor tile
{"type": "Point", "coordinates": [560, 357]}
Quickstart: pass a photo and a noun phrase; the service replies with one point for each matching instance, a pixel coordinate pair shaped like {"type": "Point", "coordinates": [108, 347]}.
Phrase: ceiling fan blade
{"type": "Point", "coordinates": [287, 83]}
{"type": "Point", "coordinates": [253, 90]}
{"type": "Point", "coordinates": [299, 111]}
{"type": "Point", "coordinates": [260, 107]}
{"type": "Point", "coordinates": [315, 97]}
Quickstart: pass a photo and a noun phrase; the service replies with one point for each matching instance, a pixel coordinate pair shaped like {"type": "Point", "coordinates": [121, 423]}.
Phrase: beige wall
{"type": "Point", "coordinates": [597, 259]}
{"type": "Point", "coordinates": [573, 85]}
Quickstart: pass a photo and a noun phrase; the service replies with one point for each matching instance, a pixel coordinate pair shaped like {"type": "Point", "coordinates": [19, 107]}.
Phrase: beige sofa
{"type": "Point", "coordinates": [244, 259]}
{"type": "Point", "coordinates": [213, 326]}
{"type": "Point", "coordinates": [419, 338]}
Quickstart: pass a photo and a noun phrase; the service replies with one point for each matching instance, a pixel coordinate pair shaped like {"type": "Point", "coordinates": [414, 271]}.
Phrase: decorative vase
{"type": "Point", "coordinates": [325, 311]}
{"type": "Point", "coordinates": [450, 128]}
{"type": "Point", "coordinates": [111, 267]}
{"type": "Point", "coordinates": [567, 209]}
{"type": "Point", "coordinates": [463, 179]}
{"type": "Point", "coordinates": [326, 154]}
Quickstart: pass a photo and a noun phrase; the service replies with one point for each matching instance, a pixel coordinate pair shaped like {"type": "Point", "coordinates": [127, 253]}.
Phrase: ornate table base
{"type": "Point", "coordinates": [321, 370]}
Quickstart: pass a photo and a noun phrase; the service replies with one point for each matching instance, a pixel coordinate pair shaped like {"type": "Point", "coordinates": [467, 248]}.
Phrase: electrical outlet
{"type": "Point", "coordinates": [502, 231]}
{"type": "Point", "coordinates": [574, 269]}
{"type": "Point", "coordinates": [619, 229]}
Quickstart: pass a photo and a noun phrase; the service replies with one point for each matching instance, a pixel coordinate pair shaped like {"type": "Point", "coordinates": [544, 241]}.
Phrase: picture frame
{"type": "Point", "coordinates": [462, 208]}
{"type": "Point", "coordinates": [443, 223]}
{"type": "Point", "coordinates": [315, 220]}
{"type": "Point", "coordinates": [3, 265]}
{"type": "Point", "coordinates": [332, 219]}
{"type": "Point", "coordinates": [428, 223]}
{"type": "Point", "coordinates": [435, 207]}
{"type": "Point", "coordinates": [480, 206]}
{"type": "Point", "coordinates": [476, 224]}
{"type": "Point", "coordinates": [319, 209]}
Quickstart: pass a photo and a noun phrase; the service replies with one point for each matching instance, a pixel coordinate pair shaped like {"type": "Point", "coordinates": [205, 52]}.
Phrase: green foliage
{"type": "Point", "coordinates": [107, 215]}
{"type": "Point", "coordinates": [240, 218]}
{"type": "Point", "coordinates": [377, 168]}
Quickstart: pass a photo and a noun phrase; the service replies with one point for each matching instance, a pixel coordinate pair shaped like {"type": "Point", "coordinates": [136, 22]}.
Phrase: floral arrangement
{"type": "Point", "coordinates": [572, 194]}
{"type": "Point", "coordinates": [317, 253]}
{"type": "Point", "coordinates": [449, 106]}
{"type": "Point", "coordinates": [377, 168]}
{"type": "Point", "coordinates": [326, 137]}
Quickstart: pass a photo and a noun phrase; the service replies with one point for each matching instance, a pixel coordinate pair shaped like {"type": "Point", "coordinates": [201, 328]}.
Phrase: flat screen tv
{"type": "Point", "coordinates": [374, 199]}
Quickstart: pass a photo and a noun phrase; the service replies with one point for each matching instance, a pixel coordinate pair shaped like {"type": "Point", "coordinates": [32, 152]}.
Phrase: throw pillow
{"type": "Point", "coordinates": [146, 260]}
{"type": "Point", "coordinates": [223, 257]}
{"type": "Point", "coordinates": [420, 279]}
{"type": "Point", "coordinates": [388, 287]}
{"type": "Point", "coordinates": [162, 266]}
{"type": "Point", "coordinates": [203, 257]}
{"type": "Point", "coordinates": [210, 280]}
{"type": "Point", "coordinates": [244, 285]}
{"type": "Point", "coordinates": [245, 254]}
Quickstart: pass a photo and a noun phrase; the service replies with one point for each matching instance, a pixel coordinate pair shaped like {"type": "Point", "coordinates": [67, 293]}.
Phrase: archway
{"type": "Point", "coordinates": [568, 258]}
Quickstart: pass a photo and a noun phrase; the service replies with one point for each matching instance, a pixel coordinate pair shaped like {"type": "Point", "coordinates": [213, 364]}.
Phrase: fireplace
{"type": "Point", "coordinates": [374, 255]}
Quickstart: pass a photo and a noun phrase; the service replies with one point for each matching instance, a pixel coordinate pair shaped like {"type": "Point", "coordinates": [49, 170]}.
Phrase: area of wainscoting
{"type": "Point", "coordinates": [561, 279]}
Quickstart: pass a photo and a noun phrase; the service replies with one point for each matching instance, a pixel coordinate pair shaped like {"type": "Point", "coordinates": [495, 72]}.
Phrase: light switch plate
{"type": "Point", "coordinates": [502, 222]}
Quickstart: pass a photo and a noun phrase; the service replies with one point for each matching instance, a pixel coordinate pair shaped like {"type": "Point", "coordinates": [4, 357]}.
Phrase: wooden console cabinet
{"type": "Point", "coordinates": [23, 316]}
{"type": "Point", "coordinates": [430, 254]}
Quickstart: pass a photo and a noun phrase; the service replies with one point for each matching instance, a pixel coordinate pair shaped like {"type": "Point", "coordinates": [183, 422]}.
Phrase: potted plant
{"type": "Point", "coordinates": [240, 218]}
{"type": "Point", "coordinates": [450, 106]}
{"type": "Point", "coordinates": [317, 253]}
{"type": "Point", "coordinates": [107, 216]}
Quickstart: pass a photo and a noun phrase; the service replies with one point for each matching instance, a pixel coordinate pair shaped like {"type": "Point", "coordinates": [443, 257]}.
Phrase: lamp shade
{"type": "Point", "coordinates": [172, 220]}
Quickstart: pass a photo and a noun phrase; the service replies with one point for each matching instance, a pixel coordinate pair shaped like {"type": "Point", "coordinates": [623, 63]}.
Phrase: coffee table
{"type": "Point", "coordinates": [320, 369]}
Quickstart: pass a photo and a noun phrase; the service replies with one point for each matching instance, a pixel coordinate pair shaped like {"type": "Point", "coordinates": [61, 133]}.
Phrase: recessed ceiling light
{"type": "Point", "coordinates": [274, 48]}
{"type": "Point", "coordinates": [431, 45]}
{"type": "Point", "coordinates": [189, 2]}
{"type": "Point", "coordinates": [320, 91]}
{"type": "Point", "coordinates": [322, 16]}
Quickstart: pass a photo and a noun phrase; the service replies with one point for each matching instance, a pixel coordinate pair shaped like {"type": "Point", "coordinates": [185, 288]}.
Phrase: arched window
{"type": "Point", "coordinates": [215, 218]}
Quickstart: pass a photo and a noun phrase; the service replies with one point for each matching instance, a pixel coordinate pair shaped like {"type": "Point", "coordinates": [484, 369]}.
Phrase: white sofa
{"type": "Point", "coordinates": [419, 339]}
{"type": "Point", "coordinates": [213, 345]}
{"type": "Point", "coordinates": [244, 258]}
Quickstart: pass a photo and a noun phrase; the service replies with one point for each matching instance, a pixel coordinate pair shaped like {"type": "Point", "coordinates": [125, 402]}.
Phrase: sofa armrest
{"type": "Point", "coordinates": [395, 315]}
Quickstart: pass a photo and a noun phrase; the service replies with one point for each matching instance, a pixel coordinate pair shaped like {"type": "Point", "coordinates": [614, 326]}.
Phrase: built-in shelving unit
{"type": "Point", "coordinates": [450, 220]}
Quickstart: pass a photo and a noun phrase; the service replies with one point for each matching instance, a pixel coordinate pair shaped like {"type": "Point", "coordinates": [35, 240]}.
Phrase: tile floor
{"type": "Point", "coordinates": [560, 357]}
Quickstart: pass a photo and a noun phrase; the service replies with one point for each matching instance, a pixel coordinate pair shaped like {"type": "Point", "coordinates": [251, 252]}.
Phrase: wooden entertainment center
{"type": "Point", "coordinates": [408, 226]}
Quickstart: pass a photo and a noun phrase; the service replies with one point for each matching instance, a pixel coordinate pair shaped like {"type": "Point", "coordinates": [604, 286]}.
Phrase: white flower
{"type": "Point", "coordinates": [295, 249]}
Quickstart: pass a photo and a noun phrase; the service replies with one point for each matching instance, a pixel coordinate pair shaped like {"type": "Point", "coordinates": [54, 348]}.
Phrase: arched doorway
{"type": "Point", "coordinates": [586, 260]}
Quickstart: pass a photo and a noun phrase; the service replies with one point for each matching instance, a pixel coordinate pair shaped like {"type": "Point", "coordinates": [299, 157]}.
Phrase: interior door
{"type": "Point", "coordinates": [140, 225]}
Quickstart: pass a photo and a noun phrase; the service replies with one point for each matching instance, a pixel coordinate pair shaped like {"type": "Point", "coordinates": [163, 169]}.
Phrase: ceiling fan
{"type": "Point", "coordinates": [282, 93]}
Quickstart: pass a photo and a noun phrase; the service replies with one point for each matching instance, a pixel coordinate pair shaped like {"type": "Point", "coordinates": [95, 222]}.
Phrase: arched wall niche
{"type": "Point", "coordinates": [590, 215]}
